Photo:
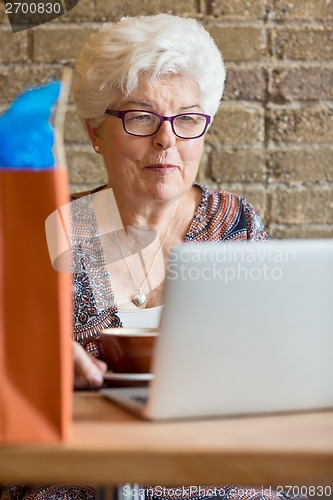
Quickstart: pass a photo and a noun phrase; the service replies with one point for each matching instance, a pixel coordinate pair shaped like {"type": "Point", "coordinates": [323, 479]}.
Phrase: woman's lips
{"type": "Point", "coordinates": [162, 167]}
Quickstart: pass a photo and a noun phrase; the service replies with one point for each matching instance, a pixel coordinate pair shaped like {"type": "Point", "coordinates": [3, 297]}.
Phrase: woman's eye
{"type": "Point", "coordinates": [186, 119]}
{"type": "Point", "coordinates": [141, 118]}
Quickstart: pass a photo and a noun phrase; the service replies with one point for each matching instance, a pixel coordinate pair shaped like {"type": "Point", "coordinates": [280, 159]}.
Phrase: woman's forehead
{"type": "Point", "coordinates": [178, 90]}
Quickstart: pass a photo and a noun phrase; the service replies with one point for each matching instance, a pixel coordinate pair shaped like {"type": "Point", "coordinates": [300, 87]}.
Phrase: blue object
{"type": "Point", "coordinates": [26, 135]}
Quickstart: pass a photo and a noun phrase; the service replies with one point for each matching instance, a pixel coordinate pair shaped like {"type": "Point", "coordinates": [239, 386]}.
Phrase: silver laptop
{"type": "Point", "coordinates": [246, 328]}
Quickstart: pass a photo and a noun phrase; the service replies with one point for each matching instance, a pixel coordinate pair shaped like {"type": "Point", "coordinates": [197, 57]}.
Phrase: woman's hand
{"type": "Point", "coordinates": [88, 370]}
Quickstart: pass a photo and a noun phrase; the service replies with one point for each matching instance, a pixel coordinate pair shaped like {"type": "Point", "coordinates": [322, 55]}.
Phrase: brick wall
{"type": "Point", "coordinates": [272, 139]}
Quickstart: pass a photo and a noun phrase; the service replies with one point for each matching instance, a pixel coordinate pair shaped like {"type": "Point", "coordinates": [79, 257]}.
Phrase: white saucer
{"type": "Point", "coordinates": [128, 377]}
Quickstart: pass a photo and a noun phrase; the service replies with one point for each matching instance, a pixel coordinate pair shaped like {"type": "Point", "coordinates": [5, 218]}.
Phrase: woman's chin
{"type": "Point", "coordinates": [164, 191]}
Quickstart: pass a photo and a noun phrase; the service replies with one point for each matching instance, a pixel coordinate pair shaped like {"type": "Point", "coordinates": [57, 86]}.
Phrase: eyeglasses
{"type": "Point", "coordinates": [145, 123]}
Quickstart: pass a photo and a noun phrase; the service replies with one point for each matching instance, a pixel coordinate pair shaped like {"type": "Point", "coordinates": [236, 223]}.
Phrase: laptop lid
{"type": "Point", "coordinates": [246, 328]}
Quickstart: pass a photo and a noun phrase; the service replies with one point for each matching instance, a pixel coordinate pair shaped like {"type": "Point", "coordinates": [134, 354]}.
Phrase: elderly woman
{"type": "Point", "coordinates": [147, 90]}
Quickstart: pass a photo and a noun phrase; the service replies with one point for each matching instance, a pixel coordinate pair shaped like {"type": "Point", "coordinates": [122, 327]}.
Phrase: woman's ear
{"type": "Point", "coordinates": [94, 136]}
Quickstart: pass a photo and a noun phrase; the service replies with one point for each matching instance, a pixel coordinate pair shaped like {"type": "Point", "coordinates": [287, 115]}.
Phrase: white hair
{"type": "Point", "coordinates": [112, 60]}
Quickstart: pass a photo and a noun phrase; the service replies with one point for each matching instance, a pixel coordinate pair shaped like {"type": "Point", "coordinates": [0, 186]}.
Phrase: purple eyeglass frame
{"type": "Point", "coordinates": [122, 114]}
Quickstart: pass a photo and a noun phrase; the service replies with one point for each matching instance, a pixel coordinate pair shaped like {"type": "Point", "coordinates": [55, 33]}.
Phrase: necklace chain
{"type": "Point", "coordinates": [139, 298]}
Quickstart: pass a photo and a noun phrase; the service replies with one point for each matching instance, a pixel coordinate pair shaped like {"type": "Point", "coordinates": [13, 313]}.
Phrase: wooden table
{"type": "Point", "coordinates": [109, 446]}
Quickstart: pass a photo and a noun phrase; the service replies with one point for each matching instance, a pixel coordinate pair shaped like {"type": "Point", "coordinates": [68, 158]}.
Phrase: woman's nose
{"type": "Point", "coordinates": [164, 138]}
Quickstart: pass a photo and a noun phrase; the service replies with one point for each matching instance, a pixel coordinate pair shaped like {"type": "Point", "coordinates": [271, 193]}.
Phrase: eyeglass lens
{"type": "Point", "coordinates": [146, 123]}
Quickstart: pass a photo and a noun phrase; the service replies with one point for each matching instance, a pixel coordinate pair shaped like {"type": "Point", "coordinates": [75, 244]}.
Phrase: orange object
{"type": "Point", "coordinates": [36, 367]}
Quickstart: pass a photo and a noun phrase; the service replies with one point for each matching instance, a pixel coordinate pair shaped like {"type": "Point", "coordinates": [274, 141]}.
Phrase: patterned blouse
{"type": "Point", "coordinates": [220, 216]}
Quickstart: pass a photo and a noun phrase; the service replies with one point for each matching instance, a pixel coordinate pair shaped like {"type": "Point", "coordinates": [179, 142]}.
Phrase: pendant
{"type": "Point", "coordinates": [139, 299]}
